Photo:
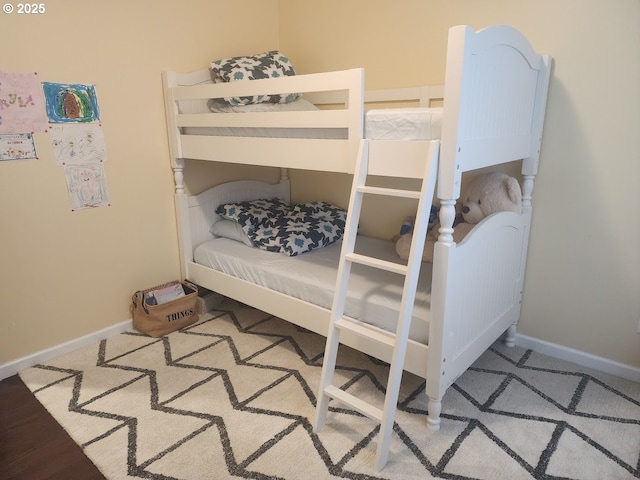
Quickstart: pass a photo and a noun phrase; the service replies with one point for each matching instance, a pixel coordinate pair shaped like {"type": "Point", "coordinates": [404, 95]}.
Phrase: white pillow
{"type": "Point", "coordinates": [230, 229]}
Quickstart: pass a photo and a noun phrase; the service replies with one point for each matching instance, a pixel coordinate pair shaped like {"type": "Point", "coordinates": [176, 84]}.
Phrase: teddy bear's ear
{"type": "Point", "coordinates": [513, 190]}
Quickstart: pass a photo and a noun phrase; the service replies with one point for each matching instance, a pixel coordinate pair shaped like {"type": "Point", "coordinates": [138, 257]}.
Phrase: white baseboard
{"type": "Point", "coordinates": [584, 359]}
{"type": "Point", "coordinates": [11, 368]}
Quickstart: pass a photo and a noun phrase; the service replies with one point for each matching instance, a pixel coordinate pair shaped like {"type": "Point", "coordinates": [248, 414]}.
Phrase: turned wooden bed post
{"type": "Point", "coordinates": [284, 174]}
{"type": "Point", "coordinates": [178, 175]}
{"type": "Point", "coordinates": [527, 189]}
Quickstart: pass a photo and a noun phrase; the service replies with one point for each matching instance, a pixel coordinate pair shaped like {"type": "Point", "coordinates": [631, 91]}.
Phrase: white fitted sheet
{"type": "Point", "coordinates": [373, 295]}
{"type": "Point", "coordinates": [419, 123]}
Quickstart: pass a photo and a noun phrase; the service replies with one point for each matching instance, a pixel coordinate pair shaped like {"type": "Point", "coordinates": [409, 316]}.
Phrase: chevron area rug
{"type": "Point", "coordinates": [233, 396]}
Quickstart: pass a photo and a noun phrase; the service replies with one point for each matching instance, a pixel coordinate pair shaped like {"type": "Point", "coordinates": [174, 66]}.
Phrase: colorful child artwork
{"type": "Point", "coordinates": [21, 103]}
{"type": "Point", "coordinates": [70, 103]}
{"type": "Point", "coordinates": [17, 146]}
{"type": "Point", "coordinates": [87, 186]}
{"type": "Point", "coordinates": [75, 144]}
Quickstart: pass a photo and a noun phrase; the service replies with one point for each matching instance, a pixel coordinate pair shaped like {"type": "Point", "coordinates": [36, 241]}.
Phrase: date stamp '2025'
{"type": "Point", "coordinates": [24, 8]}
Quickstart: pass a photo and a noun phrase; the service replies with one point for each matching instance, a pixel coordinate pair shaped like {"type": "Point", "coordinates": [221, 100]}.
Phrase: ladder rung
{"type": "Point", "coordinates": [377, 263]}
{"type": "Point", "coordinates": [358, 405]}
{"type": "Point", "coordinates": [389, 192]}
{"type": "Point", "coordinates": [381, 336]}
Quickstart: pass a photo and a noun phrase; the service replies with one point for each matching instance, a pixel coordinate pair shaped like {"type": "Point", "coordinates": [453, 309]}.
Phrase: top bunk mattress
{"type": "Point", "coordinates": [373, 295]}
{"type": "Point", "coordinates": [417, 123]}
{"type": "Point", "coordinates": [413, 123]}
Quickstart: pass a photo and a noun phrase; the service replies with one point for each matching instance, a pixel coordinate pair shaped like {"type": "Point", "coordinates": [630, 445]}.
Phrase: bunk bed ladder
{"type": "Point", "coordinates": [395, 344]}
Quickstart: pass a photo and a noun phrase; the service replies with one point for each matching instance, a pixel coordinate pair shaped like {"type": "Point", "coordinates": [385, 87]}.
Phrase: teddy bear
{"type": "Point", "coordinates": [488, 193]}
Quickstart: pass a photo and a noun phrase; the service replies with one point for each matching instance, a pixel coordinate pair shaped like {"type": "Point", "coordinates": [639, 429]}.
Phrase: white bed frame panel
{"type": "Point", "coordinates": [342, 88]}
{"type": "Point", "coordinates": [304, 314]}
{"type": "Point", "coordinates": [330, 154]}
{"type": "Point", "coordinates": [494, 103]}
{"type": "Point", "coordinates": [482, 70]}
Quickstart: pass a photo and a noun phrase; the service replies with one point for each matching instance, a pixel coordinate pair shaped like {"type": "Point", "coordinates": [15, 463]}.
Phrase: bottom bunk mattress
{"type": "Point", "coordinates": [373, 295]}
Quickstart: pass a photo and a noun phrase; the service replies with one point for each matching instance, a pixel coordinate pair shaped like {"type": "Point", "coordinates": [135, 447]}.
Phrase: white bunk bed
{"type": "Point", "coordinates": [495, 94]}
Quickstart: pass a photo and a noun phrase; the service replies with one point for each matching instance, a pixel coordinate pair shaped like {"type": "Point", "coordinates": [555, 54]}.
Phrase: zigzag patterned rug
{"type": "Point", "coordinates": [233, 397]}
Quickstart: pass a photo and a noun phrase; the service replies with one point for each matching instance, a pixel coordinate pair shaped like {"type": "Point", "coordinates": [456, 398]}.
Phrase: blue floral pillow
{"type": "Point", "coordinates": [274, 226]}
{"type": "Point", "coordinates": [310, 226]}
{"type": "Point", "coordinates": [253, 212]}
{"type": "Point", "coordinates": [265, 65]}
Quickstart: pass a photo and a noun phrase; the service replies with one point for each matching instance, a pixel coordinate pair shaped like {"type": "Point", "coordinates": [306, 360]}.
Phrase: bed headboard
{"type": "Point", "coordinates": [495, 99]}
{"type": "Point", "coordinates": [201, 207]}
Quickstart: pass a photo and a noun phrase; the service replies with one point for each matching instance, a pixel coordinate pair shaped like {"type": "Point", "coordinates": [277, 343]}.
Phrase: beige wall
{"type": "Point", "coordinates": [66, 274]}
{"type": "Point", "coordinates": [582, 287]}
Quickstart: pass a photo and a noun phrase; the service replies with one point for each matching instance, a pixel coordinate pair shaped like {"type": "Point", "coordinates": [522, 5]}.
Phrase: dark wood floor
{"type": "Point", "coordinates": [32, 444]}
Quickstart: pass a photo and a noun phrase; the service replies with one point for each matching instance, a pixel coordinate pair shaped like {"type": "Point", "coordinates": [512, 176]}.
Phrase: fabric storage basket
{"type": "Point", "coordinates": [208, 301]}
{"type": "Point", "coordinates": [161, 319]}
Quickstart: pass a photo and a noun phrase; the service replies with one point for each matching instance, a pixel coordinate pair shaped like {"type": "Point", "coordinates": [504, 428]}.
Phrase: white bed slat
{"type": "Point", "coordinates": [312, 154]}
{"type": "Point", "coordinates": [307, 119]}
{"type": "Point", "coordinates": [422, 96]}
{"type": "Point", "coordinates": [326, 81]}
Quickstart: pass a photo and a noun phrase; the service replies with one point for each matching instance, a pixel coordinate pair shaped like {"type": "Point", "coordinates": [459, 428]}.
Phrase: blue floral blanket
{"type": "Point", "coordinates": [275, 226]}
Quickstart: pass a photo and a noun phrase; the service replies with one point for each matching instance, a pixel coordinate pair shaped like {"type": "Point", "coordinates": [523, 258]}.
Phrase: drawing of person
{"type": "Point", "coordinates": [86, 186]}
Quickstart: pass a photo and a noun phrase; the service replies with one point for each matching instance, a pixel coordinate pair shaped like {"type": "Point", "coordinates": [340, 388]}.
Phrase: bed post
{"type": "Point", "coordinates": [527, 189]}
{"type": "Point", "coordinates": [182, 216]}
{"type": "Point", "coordinates": [178, 175]}
{"type": "Point", "coordinates": [437, 353]}
{"type": "Point", "coordinates": [181, 202]}
{"type": "Point", "coordinates": [530, 167]}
